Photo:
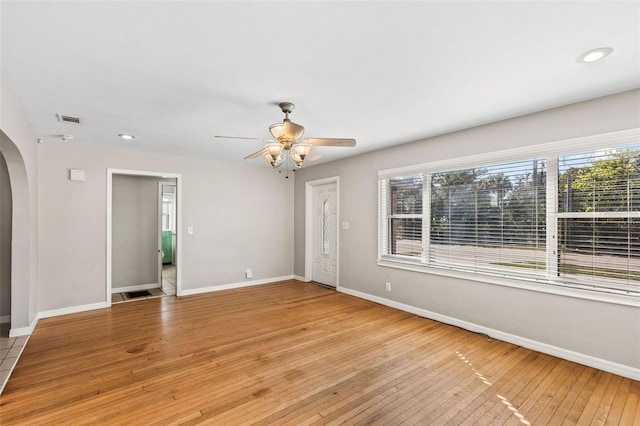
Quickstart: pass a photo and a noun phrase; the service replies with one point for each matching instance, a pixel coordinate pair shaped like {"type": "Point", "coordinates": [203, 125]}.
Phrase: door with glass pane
{"type": "Point", "coordinates": [325, 232]}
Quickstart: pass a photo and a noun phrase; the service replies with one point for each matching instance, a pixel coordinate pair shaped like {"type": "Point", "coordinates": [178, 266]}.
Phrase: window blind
{"type": "Point", "coordinates": [490, 219]}
{"type": "Point", "coordinates": [599, 219]}
{"type": "Point", "coordinates": [403, 212]}
{"type": "Point", "coordinates": [563, 219]}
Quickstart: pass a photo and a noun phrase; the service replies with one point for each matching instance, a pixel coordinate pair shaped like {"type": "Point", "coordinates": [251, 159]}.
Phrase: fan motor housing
{"type": "Point", "coordinates": [287, 107]}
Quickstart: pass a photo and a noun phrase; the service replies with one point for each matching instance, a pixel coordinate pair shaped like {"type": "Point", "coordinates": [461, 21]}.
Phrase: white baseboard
{"type": "Point", "coordinates": [71, 310]}
{"type": "Point", "coordinates": [300, 278]}
{"type": "Point", "coordinates": [5, 319]}
{"type": "Point", "coordinates": [190, 292]}
{"type": "Point", "coordinates": [590, 361]}
{"type": "Point", "coordinates": [134, 288]}
{"type": "Point", "coordinates": [21, 331]}
{"type": "Point", "coordinates": [26, 331]}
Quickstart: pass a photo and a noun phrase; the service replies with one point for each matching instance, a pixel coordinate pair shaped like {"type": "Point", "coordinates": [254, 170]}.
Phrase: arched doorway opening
{"type": "Point", "coordinates": [5, 248]}
{"type": "Point", "coordinates": [22, 306]}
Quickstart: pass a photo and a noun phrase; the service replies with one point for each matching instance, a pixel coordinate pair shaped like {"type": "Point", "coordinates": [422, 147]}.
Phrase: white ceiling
{"type": "Point", "coordinates": [177, 73]}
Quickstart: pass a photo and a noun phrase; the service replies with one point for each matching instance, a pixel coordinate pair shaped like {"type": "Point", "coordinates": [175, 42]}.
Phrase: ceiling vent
{"type": "Point", "coordinates": [68, 119]}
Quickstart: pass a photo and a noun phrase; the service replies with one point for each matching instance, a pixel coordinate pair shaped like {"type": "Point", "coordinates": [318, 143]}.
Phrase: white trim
{"type": "Point", "coordinates": [5, 319]}
{"type": "Point", "coordinates": [159, 230]}
{"type": "Point", "coordinates": [108, 254]}
{"type": "Point", "coordinates": [26, 331]}
{"type": "Point", "coordinates": [174, 257]}
{"type": "Point", "coordinates": [191, 292]}
{"type": "Point", "coordinates": [299, 278]}
{"type": "Point", "coordinates": [71, 310]}
{"type": "Point", "coordinates": [591, 361]}
{"type": "Point", "coordinates": [568, 146]}
{"type": "Point", "coordinates": [134, 288]}
{"type": "Point", "coordinates": [590, 215]}
{"type": "Point", "coordinates": [542, 285]}
{"type": "Point", "coordinates": [308, 226]}
{"type": "Point", "coordinates": [381, 215]}
{"type": "Point", "coordinates": [109, 231]}
{"type": "Point", "coordinates": [308, 229]}
{"type": "Point", "coordinates": [178, 256]}
{"type": "Point", "coordinates": [552, 218]}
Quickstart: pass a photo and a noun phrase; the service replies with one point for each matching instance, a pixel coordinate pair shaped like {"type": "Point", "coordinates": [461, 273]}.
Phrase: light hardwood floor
{"type": "Point", "coordinates": [294, 353]}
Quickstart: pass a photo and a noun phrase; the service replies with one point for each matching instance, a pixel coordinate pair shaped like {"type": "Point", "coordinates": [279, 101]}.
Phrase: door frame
{"type": "Point", "coordinates": [161, 185]}
{"type": "Point", "coordinates": [308, 226]}
{"type": "Point", "coordinates": [109, 230]}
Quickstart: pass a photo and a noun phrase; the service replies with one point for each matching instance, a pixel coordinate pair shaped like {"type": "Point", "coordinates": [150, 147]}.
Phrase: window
{"type": "Point", "coordinates": [489, 218]}
{"type": "Point", "coordinates": [404, 216]}
{"type": "Point", "coordinates": [325, 227]}
{"type": "Point", "coordinates": [562, 219]}
{"type": "Point", "coordinates": [599, 219]}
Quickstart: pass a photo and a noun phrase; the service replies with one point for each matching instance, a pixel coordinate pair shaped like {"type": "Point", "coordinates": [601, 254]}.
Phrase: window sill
{"type": "Point", "coordinates": [521, 283]}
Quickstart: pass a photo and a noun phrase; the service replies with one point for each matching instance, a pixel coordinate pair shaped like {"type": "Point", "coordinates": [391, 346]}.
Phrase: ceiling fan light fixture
{"type": "Point", "coordinates": [273, 152]}
{"type": "Point", "coordinates": [289, 144]}
{"type": "Point", "coordinates": [296, 160]}
{"type": "Point", "coordinates": [276, 130]}
{"type": "Point", "coordinates": [299, 152]}
{"type": "Point", "coordinates": [279, 160]}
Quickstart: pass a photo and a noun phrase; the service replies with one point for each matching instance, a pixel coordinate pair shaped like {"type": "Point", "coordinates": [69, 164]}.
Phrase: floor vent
{"type": "Point", "coordinates": [137, 294]}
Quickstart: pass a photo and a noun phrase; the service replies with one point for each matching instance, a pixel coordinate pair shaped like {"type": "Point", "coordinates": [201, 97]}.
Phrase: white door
{"type": "Point", "coordinates": [325, 234]}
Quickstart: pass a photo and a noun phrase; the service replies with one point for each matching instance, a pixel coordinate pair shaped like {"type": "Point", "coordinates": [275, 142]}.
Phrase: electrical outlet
{"type": "Point", "coordinates": [388, 286]}
{"type": "Point", "coordinates": [249, 273]}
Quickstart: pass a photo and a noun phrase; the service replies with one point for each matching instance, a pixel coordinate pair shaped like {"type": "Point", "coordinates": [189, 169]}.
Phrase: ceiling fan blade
{"type": "Point", "coordinates": [313, 156]}
{"type": "Point", "coordinates": [242, 137]}
{"type": "Point", "coordinates": [255, 154]}
{"type": "Point", "coordinates": [330, 142]}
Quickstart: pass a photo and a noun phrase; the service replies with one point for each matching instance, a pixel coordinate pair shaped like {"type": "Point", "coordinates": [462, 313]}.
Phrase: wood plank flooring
{"type": "Point", "coordinates": [299, 354]}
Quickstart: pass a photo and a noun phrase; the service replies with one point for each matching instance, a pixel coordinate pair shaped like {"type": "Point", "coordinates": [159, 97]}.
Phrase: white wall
{"type": "Point", "coordinates": [241, 215]}
{"type": "Point", "coordinates": [134, 231]}
{"type": "Point", "coordinates": [602, 331]}
{"type": "Point", "coordinates": [19, 146]}
{"type": "Point", "coordinates": [5, 242]}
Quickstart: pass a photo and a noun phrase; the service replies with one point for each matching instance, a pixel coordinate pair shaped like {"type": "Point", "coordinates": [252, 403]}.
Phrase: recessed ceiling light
{"type": "Point", "coordinates": [595, 54]}
{"type": "Point", "coordinates": [126, 136]}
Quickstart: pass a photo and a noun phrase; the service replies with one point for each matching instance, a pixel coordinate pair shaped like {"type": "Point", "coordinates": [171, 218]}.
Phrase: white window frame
{"type": "Point", "coordinates": [383, 247]}
{"type": "Point", "coordinates": [549, 283]}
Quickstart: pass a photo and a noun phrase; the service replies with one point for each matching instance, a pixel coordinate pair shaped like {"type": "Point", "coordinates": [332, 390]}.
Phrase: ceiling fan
{"type": "Point", "coordinates": [288, 140]}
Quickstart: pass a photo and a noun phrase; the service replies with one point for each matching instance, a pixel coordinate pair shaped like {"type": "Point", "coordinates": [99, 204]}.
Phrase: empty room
{"type": "Point", "coordinates": [320, 212]}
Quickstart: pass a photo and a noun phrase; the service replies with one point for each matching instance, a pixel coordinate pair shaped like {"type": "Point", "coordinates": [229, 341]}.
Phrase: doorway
{"type": "Point", "coordinates": [167, 237]}
{"type": "Point", "coordinates": [321, 233]}
{"type": "Point", "coordinates": [117, 288]}
{"type": "Point", "coordinates": [6, 211]}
